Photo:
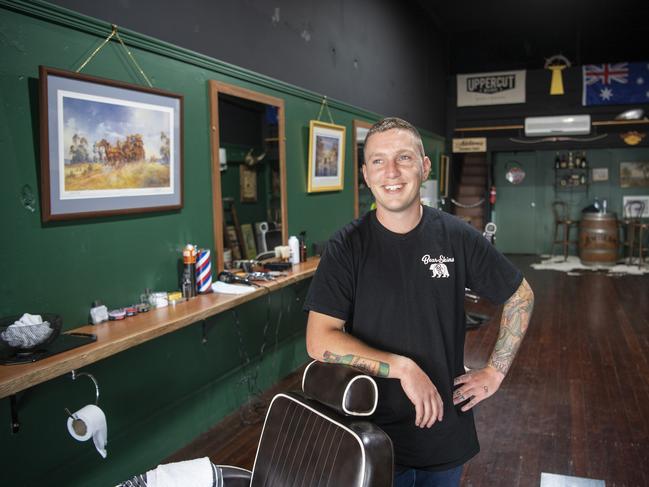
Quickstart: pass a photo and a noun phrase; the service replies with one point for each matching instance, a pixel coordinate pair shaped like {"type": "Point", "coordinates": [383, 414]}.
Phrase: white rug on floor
{"type": "Point", "coordinates": [574, 267]}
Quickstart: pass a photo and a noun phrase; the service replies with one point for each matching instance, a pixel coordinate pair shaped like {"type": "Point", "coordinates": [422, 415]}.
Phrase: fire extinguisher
{"type": "Point", "coordinates": [492, 195]}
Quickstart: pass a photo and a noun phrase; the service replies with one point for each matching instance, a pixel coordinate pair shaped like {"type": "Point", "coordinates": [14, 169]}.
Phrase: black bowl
{"type": "Point", "coordinates": [55, 324]}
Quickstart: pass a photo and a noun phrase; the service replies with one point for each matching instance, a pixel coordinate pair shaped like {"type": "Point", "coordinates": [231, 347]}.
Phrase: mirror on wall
{"type": "Point", "coordinates": [248, 173]}
{"type": "Point", "coordinates": [363, 198]}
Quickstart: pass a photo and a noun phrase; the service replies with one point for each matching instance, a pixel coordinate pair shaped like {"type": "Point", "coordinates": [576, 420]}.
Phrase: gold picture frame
{"type": "Point", "coordinates": [326, 157]}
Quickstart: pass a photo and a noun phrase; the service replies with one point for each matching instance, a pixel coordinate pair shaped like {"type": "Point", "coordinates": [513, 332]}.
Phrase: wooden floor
{"type": "Point", "coordinates": [576, 401]}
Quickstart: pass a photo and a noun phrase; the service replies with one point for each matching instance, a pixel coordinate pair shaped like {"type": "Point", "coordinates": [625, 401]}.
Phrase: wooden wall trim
{"type": "Point", "coordinates": [489, 128]}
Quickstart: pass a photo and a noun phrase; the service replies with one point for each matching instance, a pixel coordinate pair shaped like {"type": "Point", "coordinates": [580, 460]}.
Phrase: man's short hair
{"type": "Point", "coordinates": [389, 123]}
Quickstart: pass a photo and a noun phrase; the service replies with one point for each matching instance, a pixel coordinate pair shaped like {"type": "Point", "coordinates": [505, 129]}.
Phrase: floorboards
{"type": "Point", "coordinates": [576, 401]}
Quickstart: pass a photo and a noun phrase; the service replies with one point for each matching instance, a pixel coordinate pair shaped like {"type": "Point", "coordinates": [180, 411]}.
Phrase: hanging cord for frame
{"type": "Point", "coordinates": [322, 106]}
{"type": "Point", "coordinates": [115, 34]}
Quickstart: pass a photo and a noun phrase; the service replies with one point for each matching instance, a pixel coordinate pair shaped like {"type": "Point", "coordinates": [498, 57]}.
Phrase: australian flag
{"type": "Point", "coordinates": [615, 84]}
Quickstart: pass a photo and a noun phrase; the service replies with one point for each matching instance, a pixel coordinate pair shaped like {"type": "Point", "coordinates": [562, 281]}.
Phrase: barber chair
{"type": "Point", "coordinates": [317, 437]}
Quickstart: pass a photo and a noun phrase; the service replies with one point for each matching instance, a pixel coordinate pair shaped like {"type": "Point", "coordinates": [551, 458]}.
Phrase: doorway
{"type": "Point", "coordinates": [516, 209]}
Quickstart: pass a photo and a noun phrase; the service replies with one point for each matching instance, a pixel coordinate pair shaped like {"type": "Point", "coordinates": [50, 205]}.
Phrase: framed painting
{"type": "Point", "coordinates": [634, 174]}
{"type": "Point", "coordinates": [107, 147]}
{"type": "Point", "coordinates": [326, 157]}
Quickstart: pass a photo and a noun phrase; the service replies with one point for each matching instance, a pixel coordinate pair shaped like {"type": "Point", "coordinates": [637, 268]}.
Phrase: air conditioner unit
{"type": "Point", "coordinates": [561, 125]}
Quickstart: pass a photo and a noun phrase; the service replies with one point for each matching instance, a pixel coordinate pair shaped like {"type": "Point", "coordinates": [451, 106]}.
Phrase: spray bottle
{"type": "Point", "coordinates": [294, 248]}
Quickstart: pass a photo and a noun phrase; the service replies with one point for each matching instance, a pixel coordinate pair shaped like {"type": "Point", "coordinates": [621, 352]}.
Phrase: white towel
{"type": "Point", "coordinates": [225, 288]}
{"type": "Point", "coordinates": [194, 473]}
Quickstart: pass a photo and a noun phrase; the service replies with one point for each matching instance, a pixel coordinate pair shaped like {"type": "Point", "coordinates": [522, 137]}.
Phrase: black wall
{"type": "Point", "coordinates": [380, 55]}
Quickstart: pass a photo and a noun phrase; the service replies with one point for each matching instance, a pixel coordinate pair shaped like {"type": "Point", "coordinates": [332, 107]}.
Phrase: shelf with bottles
{"type": "Point", "coordinates": [571, 171]}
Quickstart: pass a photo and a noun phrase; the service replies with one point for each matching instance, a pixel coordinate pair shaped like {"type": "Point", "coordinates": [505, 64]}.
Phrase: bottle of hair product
{"type": "Point", "coordinates": [188, 282]}
{"type": "Point", "coordinates": [294, 248]}
{"type": "Point", "coordinates": [302, 241]}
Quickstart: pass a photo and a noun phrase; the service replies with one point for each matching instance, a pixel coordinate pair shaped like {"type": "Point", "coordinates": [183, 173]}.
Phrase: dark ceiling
{"type": "Point", "coordinates": [509, 34]}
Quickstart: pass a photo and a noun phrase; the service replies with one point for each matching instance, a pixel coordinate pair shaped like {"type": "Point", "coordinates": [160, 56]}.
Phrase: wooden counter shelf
{"type": "Point", "coordinates": [116, 336]}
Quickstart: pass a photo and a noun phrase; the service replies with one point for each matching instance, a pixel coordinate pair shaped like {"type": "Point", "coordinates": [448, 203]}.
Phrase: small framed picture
{"type": "Point", "coordinates": [232, 241]}
{"type": "Point", "coordinates": [248, 184]}
{"type": "Point", "coordinates": [249, 245]}
{"type": "Point", "coordinates": [599, 174]}
{"type": "Point", "coordinates": [107, 147]}
{"type": "Point", "coordinates": [634, 174]}
{"type": "Point", "coordinates": [326, 157]}
{"type": "Point", "coordinates": [644, 204]}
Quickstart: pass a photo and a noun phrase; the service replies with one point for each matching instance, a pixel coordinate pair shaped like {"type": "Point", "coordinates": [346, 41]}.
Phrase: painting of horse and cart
{"type": "Point", "coordinates": [112, 147]}
{"type": "Point", "coordinates": [109, 145]}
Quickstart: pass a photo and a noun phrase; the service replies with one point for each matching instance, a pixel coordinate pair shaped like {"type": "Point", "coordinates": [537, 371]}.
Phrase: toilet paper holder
{"type": "Point", "coordinates": [76, 374]}
{"type": "Point", "coordinates": [13, 402]}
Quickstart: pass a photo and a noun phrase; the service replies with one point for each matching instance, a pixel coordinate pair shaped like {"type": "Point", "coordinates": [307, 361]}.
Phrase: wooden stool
{"type": "Point", "coordinates": [635, 231]}
{"type": "Point", "coordinates": [562, 220]}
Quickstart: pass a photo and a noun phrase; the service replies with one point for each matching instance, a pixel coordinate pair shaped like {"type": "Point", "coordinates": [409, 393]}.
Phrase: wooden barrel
{"type": "Point", "coordinates": [598, 239]}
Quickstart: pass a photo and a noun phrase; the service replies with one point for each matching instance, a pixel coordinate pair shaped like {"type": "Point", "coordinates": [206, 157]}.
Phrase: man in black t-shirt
{"type": "Point", "coordinates": [388, 299]}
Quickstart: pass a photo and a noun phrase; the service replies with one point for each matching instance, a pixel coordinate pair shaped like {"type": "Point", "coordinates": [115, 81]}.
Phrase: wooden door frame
{"type": "Point", "coordinates": [216, 88]}
{"type": "Point", "coordinates": [356, 124]}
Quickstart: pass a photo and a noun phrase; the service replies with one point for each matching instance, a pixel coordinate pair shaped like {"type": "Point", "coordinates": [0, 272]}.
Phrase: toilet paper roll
{"type": "Point", "coordinates": [90, 421]}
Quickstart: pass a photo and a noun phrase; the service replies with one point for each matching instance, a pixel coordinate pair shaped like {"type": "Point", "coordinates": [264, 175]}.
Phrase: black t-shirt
{"type": "Point", "coordinates": [404, 293]}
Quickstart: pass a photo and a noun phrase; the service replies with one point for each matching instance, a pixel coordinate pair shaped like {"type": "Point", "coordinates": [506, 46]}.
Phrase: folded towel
{"type": "Point", "coordinates": [194, 473]}
{"type": "Point", "coordinates": [27, 332]}
{"type": "Point", "coordinates": [28, 320]}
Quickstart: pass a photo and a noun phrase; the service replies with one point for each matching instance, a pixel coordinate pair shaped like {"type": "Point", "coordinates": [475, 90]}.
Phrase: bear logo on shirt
{"type": "Point", "coordinates": [439, 270]}
{"type": "Point", "coordinates": [438, 265]}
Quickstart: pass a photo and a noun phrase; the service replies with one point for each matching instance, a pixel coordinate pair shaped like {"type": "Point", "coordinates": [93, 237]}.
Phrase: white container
{"type": "Point", "coordinates": [294, 247]}
{"type": "Point", "coordinates": [159, 300]}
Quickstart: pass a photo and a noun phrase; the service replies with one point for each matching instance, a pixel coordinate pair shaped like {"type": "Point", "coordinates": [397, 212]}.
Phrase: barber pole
{"type": "Point", "coordinates": [203, 271]}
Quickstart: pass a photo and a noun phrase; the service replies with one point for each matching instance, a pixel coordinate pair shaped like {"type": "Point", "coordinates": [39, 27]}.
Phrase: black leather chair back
{"type": "Point", "coordinates": [304, 443]}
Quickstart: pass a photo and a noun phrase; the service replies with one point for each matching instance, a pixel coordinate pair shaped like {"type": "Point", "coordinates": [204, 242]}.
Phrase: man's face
{"type": "Point", "coordinates": [394, 170]}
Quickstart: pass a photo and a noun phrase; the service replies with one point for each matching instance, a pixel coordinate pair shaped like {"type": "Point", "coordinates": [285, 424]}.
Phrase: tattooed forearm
{"type": "Point", "coordinates": [513, 325]}
{"type": "Point", "coordinates": [367, 365]}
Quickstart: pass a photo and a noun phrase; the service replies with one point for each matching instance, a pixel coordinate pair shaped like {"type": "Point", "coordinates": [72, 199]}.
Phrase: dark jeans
{"type": "Point", "coordinates": [424, 478]}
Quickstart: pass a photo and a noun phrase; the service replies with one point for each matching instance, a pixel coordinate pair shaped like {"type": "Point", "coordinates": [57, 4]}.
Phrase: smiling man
{"type": "Point", "coordinates": [388, 299]}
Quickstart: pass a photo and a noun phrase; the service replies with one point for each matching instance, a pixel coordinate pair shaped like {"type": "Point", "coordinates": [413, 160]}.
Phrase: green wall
{"type": "Point", "coordinates": [162, 394]}
{"type": "Point", "coordinates": [529, 230]}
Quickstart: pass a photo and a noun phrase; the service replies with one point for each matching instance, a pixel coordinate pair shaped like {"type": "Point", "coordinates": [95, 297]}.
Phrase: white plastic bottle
{"type": "Point", "coordinates": [294, 248]}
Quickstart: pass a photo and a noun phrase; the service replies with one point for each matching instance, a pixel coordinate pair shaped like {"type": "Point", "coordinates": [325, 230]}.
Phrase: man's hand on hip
{"type": "Point", "coordinates": [422, 393]}
{"type": "Point", "coordinates": [477, 386]}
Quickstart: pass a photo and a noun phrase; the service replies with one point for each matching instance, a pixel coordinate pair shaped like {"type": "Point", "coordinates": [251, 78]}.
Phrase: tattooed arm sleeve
{"type": "Point", "coordinates": [327, 341]}
{"type": "Point", "coordinates": [367, 365]}
{"type": "Point", "coordinates": [513, 325]}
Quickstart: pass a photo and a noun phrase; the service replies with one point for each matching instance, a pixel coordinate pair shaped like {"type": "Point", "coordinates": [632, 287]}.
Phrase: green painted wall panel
{"type": "Point", "coordinates": [160, 395]}
{"type": "Point", "coordinates": [157, 396]}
